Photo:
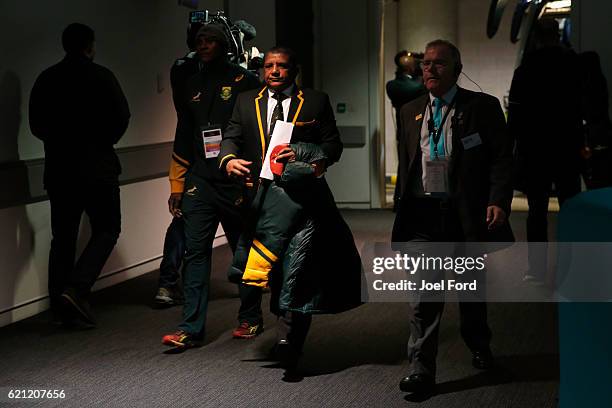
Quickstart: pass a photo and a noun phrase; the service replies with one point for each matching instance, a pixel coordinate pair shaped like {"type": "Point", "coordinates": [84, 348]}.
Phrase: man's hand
{"type": "Point", "coordinates": [174, 204]}
{"type": "Point", "coordinates": [495, 217]}
{"type": "Point", "coordinates": [238, 168]}
{"type": "Point", "coordinates": [319, 167]}
{"type": "Point", "coordinates": [286, 154]}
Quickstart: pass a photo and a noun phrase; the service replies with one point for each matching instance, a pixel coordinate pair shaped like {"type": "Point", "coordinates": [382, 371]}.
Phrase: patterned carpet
{"type": "Point", "coordinates": [354, 359]}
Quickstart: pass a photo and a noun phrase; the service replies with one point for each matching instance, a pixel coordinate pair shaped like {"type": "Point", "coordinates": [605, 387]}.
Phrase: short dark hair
{"type": "Point", "coordinates": [455, 54]}
{"type": "Point", "coordinates": [546, 30]}
{"type": "Point", "coordinates": [293, 60]}
{"type": "Point", "coordinates": [77, 38]}
{"type": "Point", "coordinates": [399, 55]}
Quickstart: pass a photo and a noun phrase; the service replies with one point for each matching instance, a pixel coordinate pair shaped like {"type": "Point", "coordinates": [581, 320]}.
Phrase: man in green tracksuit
{"type": "Point", "coordinates": [199, 193]}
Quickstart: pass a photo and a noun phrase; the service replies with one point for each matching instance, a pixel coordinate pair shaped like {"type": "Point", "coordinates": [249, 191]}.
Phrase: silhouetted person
{"type": "Point", "coordinates": [78, 110]}
{"type": "Point", "coordinates": [406, 87]}
{"type": "Point", "coordinates": [544, 117]}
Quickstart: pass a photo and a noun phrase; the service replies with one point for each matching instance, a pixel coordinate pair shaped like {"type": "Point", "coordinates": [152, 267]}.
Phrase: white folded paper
{"type": "Point", "coordinates": [281, 135]}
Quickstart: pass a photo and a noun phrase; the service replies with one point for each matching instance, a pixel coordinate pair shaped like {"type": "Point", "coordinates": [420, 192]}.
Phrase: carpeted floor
{"type": "Point", "coordinates": [354, 359]}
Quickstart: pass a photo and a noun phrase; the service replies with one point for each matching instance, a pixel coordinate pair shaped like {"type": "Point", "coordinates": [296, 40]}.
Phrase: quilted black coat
{"type": "Point", "coordinates": [299, 244]}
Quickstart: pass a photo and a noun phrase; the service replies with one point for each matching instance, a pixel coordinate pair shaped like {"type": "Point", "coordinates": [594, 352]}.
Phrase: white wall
{"type": "Point", "coordinates": [390, 48]}
{"type": "Point", "coordinates": [138, 40]}
{"type": "Point", "coordinates": [261, 14]}
{"type": "Point", "coordinates": [346, 48]}
{"type": "Point", "coordinates": [420, 21]}
{"type": "Point", "coordinates": [489, 62]}
{"type": "Point", "coordinates": [26, 234]}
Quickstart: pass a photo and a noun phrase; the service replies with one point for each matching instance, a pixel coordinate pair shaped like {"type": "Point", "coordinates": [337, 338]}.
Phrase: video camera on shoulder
{"type": "Point", "coordinates": [236, 32]}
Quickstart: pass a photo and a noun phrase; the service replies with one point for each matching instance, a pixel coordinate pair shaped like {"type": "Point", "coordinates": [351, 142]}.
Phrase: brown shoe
{"type": "Point", "coordinates": [245, 330]}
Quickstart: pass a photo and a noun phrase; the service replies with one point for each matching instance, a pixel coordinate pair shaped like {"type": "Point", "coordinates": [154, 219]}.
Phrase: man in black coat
{"type": "Point", "coordinates": [455, 165]}
{"type": "Point", "coordinates": [78, 110]}
{"type": "Point", "coordinates": [545, 117]}
{"type": "Point", "coordinates": [242, 154]}
{"type": "Point", "coordinates": [246, 140]}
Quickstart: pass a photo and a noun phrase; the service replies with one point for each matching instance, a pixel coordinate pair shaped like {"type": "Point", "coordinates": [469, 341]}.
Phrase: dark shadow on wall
{"type": "Point", "coordinates": [16, 233]}
{"type": "Point", "coordinates": [10, 116]}
{"type": "Point", "coordinates": [13, 172]}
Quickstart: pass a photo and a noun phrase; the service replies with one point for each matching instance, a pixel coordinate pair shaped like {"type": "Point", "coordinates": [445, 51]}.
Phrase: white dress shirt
{"type": "Point", "coordinates": [272, 104]}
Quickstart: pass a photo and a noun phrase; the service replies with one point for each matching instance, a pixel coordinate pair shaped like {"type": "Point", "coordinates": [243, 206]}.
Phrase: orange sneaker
{"type": "Point", "coordinates": [181, 339]}
{"type": "Point", "coordinates": [245, 330]}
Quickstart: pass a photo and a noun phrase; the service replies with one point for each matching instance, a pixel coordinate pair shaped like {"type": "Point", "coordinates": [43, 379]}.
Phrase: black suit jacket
{"type": "Point", "coordinates": [479, 176]}
{"type": "Point", "coordinates": [246, 135]}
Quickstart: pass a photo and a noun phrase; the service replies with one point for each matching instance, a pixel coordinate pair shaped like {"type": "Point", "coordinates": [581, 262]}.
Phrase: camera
{"type": "Point", "coordinates": [236, 32]}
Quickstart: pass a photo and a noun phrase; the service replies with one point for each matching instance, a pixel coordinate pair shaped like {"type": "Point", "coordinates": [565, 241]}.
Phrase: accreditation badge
{"type": "Point", "coordinates": [226, 92]}
{"type": "Point", "coordinates": [211, 140]}
{"type": "Point", "coordinates": [436, 176]}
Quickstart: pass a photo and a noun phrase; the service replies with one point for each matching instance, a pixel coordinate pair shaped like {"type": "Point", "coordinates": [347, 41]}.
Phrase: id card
{"type": "Point", "coordinates": [470, 141]}
{"type": "Point", "coordinates": [436, 176]}
{"type": "Point", "coordinates": [211, 139]}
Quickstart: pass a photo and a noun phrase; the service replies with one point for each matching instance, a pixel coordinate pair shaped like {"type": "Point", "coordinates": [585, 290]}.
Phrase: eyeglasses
{"type": "Point", "coordinates": [437, 64]}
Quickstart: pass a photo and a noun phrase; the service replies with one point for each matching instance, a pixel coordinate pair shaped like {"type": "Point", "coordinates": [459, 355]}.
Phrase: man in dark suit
{"type": "Point", "coordinates": [248, 135]}
{"type": "Point", "coordinates": [455, 171]}
{"type": "Point", "coordinates": [247, 139]}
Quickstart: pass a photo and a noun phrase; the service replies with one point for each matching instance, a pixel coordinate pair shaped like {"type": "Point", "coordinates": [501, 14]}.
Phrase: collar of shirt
{"type": "Point", "coordinates": [287, 91]}
{"type": "Point", "coordinates": [447, 97]}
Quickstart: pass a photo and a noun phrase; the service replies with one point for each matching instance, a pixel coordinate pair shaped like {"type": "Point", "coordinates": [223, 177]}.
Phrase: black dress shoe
{"type": "Point", "coordinates": [287, 355]}
{"type": "Point", "coordinates": [76, 305]}
{"type": "Point", "coordinates": [482, 360]}
{"type": "Point", "coordinates": [417, 383]}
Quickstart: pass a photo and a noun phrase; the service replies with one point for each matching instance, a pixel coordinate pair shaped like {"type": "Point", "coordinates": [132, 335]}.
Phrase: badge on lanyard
{"type": "Point", "coordinates": [211, 139]}
{"type": "Point", "coordinates": [436, 178]}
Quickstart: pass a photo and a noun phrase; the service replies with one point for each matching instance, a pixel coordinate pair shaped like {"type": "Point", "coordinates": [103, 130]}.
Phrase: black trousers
{"type": "Point", "coordinates": [205, 205]}
{"type": "Point", "coordinates": [174, 250]}
{"type": "Point", "coordinates": [435, 220]}
{"type": "Point", "coordinates": [101, 202]}
{"type": "Point", "coordinates": [293, 327]}
{"type": "Point", "coordinates": [538, 189]}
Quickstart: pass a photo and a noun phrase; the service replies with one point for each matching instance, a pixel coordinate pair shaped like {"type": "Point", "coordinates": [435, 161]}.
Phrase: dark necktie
{"type": "Point", "coordinates": [277, 113]}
